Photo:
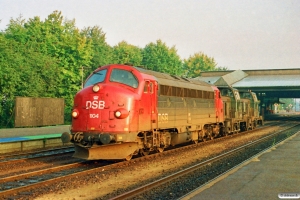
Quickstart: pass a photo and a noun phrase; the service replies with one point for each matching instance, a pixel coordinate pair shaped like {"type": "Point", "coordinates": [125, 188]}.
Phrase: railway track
{"type": "Point", "coordinates": [35, 154]}
{"type": "Point", "coordinates": [180, 183]}
{"type": "Point", "coordinates": [40, 182]}
{"type": "Point", "coordinates": [15, 186]}
{"type": "Point", "coordinates": [31, 162]}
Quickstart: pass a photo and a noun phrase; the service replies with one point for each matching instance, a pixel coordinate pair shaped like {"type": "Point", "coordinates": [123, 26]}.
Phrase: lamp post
{"type": "Point", "coordinates": [81, 77]}
{"type": "Point", "coordinates": [82, 68]}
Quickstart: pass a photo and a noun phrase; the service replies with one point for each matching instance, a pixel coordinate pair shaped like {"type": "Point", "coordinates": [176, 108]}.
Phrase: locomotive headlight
{"type": "Point", "coordinates": [96, 88]}
{"type": "Point", "coordinates": [118, 114]}
{"type": "Point", "coordinates": [75, 113]}
{"type": "Point", "coordinates": [121, 113]}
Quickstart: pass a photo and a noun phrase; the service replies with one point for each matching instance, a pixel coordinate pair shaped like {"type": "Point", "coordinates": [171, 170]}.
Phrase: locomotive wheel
{"type": "Point", "coordinates": [129, 157]}
{"type": "Point", "coordinates": [144, 152]}
{"type": "Point", "coordinates": [160, 149]}
{"type": "Point", "coordinates": [210, 136]}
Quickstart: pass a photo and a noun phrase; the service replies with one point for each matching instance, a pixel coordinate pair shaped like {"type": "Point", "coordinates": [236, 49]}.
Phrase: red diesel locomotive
{"type": "Point", "coordinates": [124, 110]}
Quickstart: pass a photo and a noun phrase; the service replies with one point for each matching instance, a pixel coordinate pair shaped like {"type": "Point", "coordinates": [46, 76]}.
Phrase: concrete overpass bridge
{"type": "Point", "coordinates": [269, 85]}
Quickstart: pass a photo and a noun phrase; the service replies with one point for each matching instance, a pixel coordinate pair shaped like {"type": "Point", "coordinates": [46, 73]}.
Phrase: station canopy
{"type": "Point", "coordinates": [279, 83]}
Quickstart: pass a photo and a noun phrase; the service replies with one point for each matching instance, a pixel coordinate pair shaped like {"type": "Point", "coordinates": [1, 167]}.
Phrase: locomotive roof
{"type": "Point", "coordinates": [172, 80]}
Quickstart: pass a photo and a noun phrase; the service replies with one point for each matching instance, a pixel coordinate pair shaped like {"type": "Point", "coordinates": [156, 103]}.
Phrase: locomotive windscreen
{"type": "Point", "coordinates": [125, 77]}
{"type": "Point", "coordinates": [97, 77]}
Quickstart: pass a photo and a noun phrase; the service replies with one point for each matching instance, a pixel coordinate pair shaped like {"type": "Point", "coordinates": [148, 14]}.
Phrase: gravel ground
{"type": "Point", "coordinates": [35, 164]}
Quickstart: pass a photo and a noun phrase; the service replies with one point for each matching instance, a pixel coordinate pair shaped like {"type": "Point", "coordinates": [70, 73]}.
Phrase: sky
{"type": "Point", "coordinates": [238, 34]}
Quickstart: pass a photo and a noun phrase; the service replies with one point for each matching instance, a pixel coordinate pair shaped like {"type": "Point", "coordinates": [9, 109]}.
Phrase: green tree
{"type": "Point", "coordinates": [288, 104]}
{"type": "Point", "coordinates": [197, 63]}
{"type": "Point", "coordinates": [124, 53]}
{"type": "Point", "coordinates": [158, 57]}
{"type": "Point", "coordinates": [221, 69]}
{"type": "Point", "coordinates": [16, 30]}
{"type": "Point", "coordinates": [48, 57]}
{"type": "Point", "coordinates": [101, 51]}
{"type": "Point", "coordinates": [8, 80]}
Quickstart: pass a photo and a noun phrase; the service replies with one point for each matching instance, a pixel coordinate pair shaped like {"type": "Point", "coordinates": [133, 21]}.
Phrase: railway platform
{"type": "Point", "coordinates": [19, 132]}
{"type": "Point", "coordinates": [21, 139]}
{"type": "Point", "coordinates": [274, 174]}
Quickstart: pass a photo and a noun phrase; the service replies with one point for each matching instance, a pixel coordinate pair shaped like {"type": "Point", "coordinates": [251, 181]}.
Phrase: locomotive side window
{"type": "Point", "coordinates": [245, 95]}
{"type": "Point", "coordinates": [97, 77]}
{"type": "Point", "coordinates": [148, 88]}
{"type": "Point", "coordinates": [151, 88]}
{"type": "Point", "coordinates": [193, 93]}
{"type": "Point", "coordinates": [200, 93]}
{"type": "Point", "coordinates": [205, 95]}
{"type": "Point", "coordinates": [184, 92]}
{"type": "Point", "coordinates": [124, 77]}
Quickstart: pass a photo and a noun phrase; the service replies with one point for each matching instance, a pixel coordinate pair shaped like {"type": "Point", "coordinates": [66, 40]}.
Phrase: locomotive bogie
{"type": "Point", "coordinates": [181, 138]}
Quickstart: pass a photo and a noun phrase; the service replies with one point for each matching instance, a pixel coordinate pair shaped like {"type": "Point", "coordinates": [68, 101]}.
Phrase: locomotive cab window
{"type": "Point", "coordinates": [124, 77]}
{"type": "Point", "coordinates": [97, 77]}
{"type": "Point", "coordinates": [245, 95]}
